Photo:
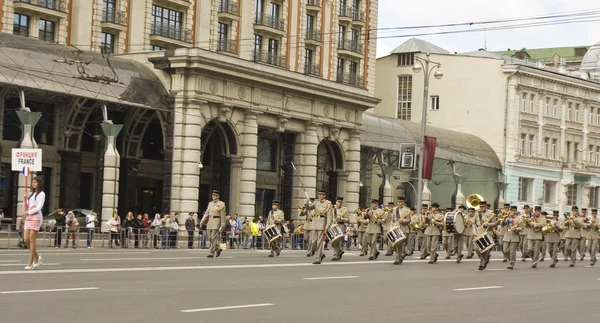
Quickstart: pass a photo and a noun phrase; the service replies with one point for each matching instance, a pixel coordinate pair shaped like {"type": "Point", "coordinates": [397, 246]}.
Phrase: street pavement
{"type": "Point", "coordinates": [104, 285]}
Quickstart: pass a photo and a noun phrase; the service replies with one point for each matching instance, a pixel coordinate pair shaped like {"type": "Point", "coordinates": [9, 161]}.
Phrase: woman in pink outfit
{"type": "Point", "coordinates": [33, 221]}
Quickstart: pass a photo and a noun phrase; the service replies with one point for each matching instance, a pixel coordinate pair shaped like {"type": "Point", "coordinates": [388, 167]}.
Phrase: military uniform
{"type": "Point", "coordinates": [535, 238]}
{"type": "Point", "coordinates": [276, 218]}
{"type": "Point", "coordinates": [593, 237]}
{"type": "Point", "coordinates": [402, 224]}
{"type": "Point", "coordinates": [502, 229]}
{"type": "Point", "coordinates": [387, 224]}
{"type": "Point", "coordinates": [362, 236]}
{"type": "Point", "coordinates": [515, 225]}
{"type": "Point", "coordinates": [307, 235]}
{"type": "Point", "coordinates": [471, 224]}
{"type": "Point", "coordinates": [432, 232]}
{"type": "Point", "coordinates": [340, 218]}
{"type": "Point", "coordinates": [321, 221]}
{"type": "Point", "coordinates": [403, 218]}
{"type": "Point", "coordinates": [572, 235]}
{"type": "Point", "coordinates": [552, 239]}
{"type": "Point", "coordinates": [375, 217]}
{"type": "Point", "coordinates": [488, 221]}
{"type": "Point", "coordinates": [215, 216]}
{"type": "Point", "coordinates": [584, 234]}
{"type": "Point", "coordinates": [447, 239]}
{"type": "Point", "coordinates": [523, 234]}
{"type": "Point", "coordinates": [459, 239]}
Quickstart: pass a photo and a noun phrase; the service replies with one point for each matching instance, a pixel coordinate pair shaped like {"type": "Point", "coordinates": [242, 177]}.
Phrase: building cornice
{"type": "Point", "coordinates": [551, 76]}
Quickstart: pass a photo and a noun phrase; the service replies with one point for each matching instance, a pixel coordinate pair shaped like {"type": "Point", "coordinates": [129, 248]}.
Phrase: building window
{"type": "Point", "coordinates": [592, 116]}
{"type": "Point", "coordinates": [341, 36]}
{"type": "Point", "coordinates": [555, 109]}
{"type": "Point", "coordinates": [549, 192]}
{"type": "Point", "coordinates": [571, 194]}
{"type": "Point", "coordinates": [568, 151]}
{"type": "Point", "coordinates": [309, 68]}
{"type": "Point", "coordinates": [260, 4]}
{"type": "Point", "coordinates": [47, 30]}
{"type": "Point", "coordinates": [21, 24]}
{"type": "Point", "coordinates": [531, 103]}
{"type": "Point", "coordinates": [546, 152]}
{"type": "Point", "coordinates": [340, 69]}
{"type": "Point", "coordinates": [310, 25]}
{"type": "Point", "coordinates": [522, 144]}
{"type": "Point", "coordinates": [167, 22]}
{"type": "Point", "coordinates": [554, 146]}
{"type": "Point", "coordinates": [524, 189]}
{"type": "Point", "coordinates": [598, 117]}
{"type": "Point", "coordinates": [267, 154]}
{"type": "Point", "coordinates": [592, 155]}
{"type": "Point", "coordinates": [570, 112]}
{"type": "Point", "coordinates": [404, 98]}
{"type": "Point", "coordinates": [597, 156]}
{"type": "Point", "coordinates": [523, 101]}
{"type": "Point", "coordinates": [273, 49]}
{"type": "Point", "coordinates": [406, 59]}
{"type": "Point", "coordinates": [576, 152]}
{"type": "Point", "coordinates": [530, 151]}
{"type": "Point", "coordinates": [577, 112]}
{"type": "Point", "coordinates": [547, 111]}
{"type": "Point", "coordinates": [258, 39]}
{"type": "Point", "coordinates": [435, 103]}
{"type": "Point", "coordinates": [107, 42]}
{"type": "Point", "coordinates": [593, 197]}
{"type": "Point", "coordinates": [156, 48]}
{"type": "Point", "coordinates": [275, 9]}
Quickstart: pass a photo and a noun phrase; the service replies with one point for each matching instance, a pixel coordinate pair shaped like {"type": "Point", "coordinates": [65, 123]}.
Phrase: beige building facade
{"type": "Point", "coordinates": [250, 88]}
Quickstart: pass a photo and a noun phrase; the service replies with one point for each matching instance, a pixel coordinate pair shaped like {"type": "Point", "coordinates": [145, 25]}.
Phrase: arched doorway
{"type": "Point", "coordinates": [329, 163]}
{"type": "Point", "coordinates": [219, 144]}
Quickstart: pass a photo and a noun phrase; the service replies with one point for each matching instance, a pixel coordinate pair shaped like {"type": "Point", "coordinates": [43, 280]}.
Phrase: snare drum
{"type": "Point", "coordinates": [272, 233]}
{"type": "Point", "coordinates": [454, 222]}
{"type": "Point", "coordinates": [395, 236]}
{"type": "Point", "coordinates": [483, 242]}
{"type": "Point", "coordinates": [334, 234]}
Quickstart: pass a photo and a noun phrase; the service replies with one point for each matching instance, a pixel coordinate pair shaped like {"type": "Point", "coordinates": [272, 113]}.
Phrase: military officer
{"type": "Point", "coordinates": [552, 239]}
{"type": "Point", "coordinates": [523, 234]}
{"type": "Point", "coordinates": [423, 246]}
{"type": "Point", "coordinates": [514, 225]}
{"type": "Point", "coordinates": [593, 236]}
{"type": "Point", "coordinates": [488, 225]}
{"type": "Point", "coordinates": [276, 218]}
{"type": "Point", "coordinates": [387, 224]}
{"type": "Point", "coordinates": [572, 225]}
{"type": "Point", "coordinates": [502, 229]}
{"type": "Point", "coordinates": [400, 248]}
{"type": "Point", "coordinates": [447, 238]}
{"type": "Point", "coordinates": [363, 237]}
{"type": "Point", "coordinates": [402, 216]}
{"type": "Point", "coordinates": [435, 223]}
{"type": "Point", "coordinates": [584, 234]}
{"type": "Point", "coordinates": [214, 216]}
{"type": "Point", "coordinates": [471, 224]}
{"type": "Point", "coordinates": [307, 235]}
{"type": "Point", "coordinates": [321, 222]}
{"type": "Point", "coordinates": [535, 237]}
{"type": "Point", "coordinates": [340, 218]}
{"type": "Point", "coordinates": [459, 239]}
{"type": "Point", "coordinates": [374, 218]}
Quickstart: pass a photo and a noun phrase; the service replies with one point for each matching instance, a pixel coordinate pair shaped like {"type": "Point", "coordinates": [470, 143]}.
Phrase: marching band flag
{"type": "Point", "coordinates": [429, 154]}
{"type": "Point", "coordinates": [26, 171]}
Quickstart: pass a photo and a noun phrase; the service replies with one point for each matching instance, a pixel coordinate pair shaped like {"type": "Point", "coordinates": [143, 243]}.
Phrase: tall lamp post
{"type": "Point", "coordinates": [418, 68]}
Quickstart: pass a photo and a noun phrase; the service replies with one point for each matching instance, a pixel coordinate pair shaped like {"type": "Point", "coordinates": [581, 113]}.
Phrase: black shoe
{"type": "Point", "coordinates": [308, 254]}
{"type": "Point", "coordinates": [334, 259]}
{"type": "Point", "coordinates": [460, 257]}
{"type": "Point", "coordinates": [509, 267]}
{"type": "Point", "coordinates": [313, 253]}
{"type": "Point", "coordinates": [219, 252]}
{"type": "Point", "coordinates": [371, 258]}
{"type": "Point", "coordinates": [278, 252]}
{"type": "Point", "coordinates": [209, 256]}
{"type": "Point", "coordinates": [397, 262]}
{"type": "Point", "coordinates": [316, 263]}
{"type": "Point", "coordinates": [435, 258]}
{"type": "Point", "coordinates": [362, 255]}
{"type": "Point", "coordinates": [340, 257]}
{"type": "Point", "coordinates": [389, 254]}
{"type": "Point", "coordinates": [553, 266]}
{"type": "Point", "coordinates": [271, 256]}
{"type": "Point", "coordinates": [322, 256]}
{"type": "Point", "coordinates": [481, 268]}
{"type": "Point", "coordinates": [430, 262]}
{"type": "Point", "coordinates": [571, 265]}
{"type": "Point", "coordinates": [377, 254]}
{"type": "Point", "coordinates": [469, 257]}
{"type": "Point", "coordinates": [534, 266]}
{"type": "Point", "coordinates": [422, 257]}
{"type": "Point", "coordinates": [447, 257]}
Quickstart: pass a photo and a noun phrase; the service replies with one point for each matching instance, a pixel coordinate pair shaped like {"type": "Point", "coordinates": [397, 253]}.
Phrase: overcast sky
{"type": "Point", "coordinates": [395, 13]}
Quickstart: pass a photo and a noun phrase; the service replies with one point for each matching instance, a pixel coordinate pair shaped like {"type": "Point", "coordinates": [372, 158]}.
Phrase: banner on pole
{"type": "Point", "coordinates": [429, 155]}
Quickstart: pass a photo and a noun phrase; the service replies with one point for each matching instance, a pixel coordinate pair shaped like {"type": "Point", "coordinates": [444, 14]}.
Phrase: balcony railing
{"type": "Point", "coordinates": [351, 45]}
{"type": "Point", "coordinates": [312, 69]}
{"type": "Point", "coordinates": [228, 6]}
{"type": "Point", "coordinates": [356, 14]}
{"type": "Point", "coordinates": [314, 3]}
{"type": "Point", "coordinates": [227, 45]}
{"type": "Point", "coordinates": [58, 5]}
{"type": "Point", "coordinates": [345, 12]}
{"type": "Point", "coordinates": [171, 31]}
{"type": "Point", "coordinates": [351, 79]}
{"type": "Point", "coordinates": [313, 34]}
{"type": "Point", "coordinates": [114, 16]}
{"type": "Point", "coordinates": [270, 21]}
{"type": "Point", "coordinates": [270, 58]}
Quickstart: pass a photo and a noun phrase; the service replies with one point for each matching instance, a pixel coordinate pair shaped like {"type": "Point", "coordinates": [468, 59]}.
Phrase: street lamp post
{"type": "Point", "coordinates": [417, 68]}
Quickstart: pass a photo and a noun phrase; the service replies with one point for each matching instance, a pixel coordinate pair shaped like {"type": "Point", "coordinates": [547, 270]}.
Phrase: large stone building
{"type": "Point", "coordinates": [543, 122]}
{"type": "Point", "coordinates": [249, 88]}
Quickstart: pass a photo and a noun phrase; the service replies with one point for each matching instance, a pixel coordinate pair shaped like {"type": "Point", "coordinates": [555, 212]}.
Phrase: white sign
{"type": "Point", "coordinates": [22, 158]}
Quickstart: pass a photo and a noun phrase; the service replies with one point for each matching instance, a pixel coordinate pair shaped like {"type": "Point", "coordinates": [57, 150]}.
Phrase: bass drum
{"type": "Point", "coordinates": [454, 222]}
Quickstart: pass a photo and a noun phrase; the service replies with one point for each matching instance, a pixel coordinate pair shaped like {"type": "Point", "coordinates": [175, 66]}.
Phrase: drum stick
{"type": "Point", "coordinates": [300, 179]}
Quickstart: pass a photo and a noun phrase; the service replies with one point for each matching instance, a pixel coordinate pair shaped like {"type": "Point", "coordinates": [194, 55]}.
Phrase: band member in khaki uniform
{"type": "Point", "coordinates": [471, 224]}
{"type": "Point", "coordinates": [552, 239]}
{"type": "Point", "coordinates": [402, 215]}
{"type": "Point", "coordinates": [340, 218]}
{"type": "Point", "coordinates": [572, 226]}
{"type": "Point", "coordinates": [535, 238]}
{"type": "Point", "coordinates": [488, 225]}
{"type": "Point", "coordinates": [400, 248]}
{"type": "Point", "coordinates": [307, 228]}
{"type": "Point", "coordinates": [584, 234]}
{"type": "Point", "coordinates": [563, 244]}
{"type": "Point", "coordinates": [514, 225]}
{"type": "Point", "coordinates": [423, 240]}
{"type": "Point", "coordinates": [321, 222]}
{"type": "Point", "coordinates": [459, 239]}
{"type": "Point", "coordinates": [362, 236]}
{"type": "Point", "coordinates": [275, 217]}
{"type": "Point", "coordinates": [447, 238]}
{"type": "Point", "coordinates": [523, 234]}
{"type": "Point", "coordinates": [214, 216]}
{"type": "Point", "coordinates": [502, 228]}
{"type": "Point", "coordinates": [389, 219]}
{"type": "Point", "coordinates": [435, 222]}
{"type": "Point", "coordinates": [593, 225]}
{"type": "Point", "coordinates": [374, 218]}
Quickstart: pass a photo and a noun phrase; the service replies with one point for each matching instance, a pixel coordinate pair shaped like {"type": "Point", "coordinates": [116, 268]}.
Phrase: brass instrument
{"type": "Point", "coordinates": [550, 227]}
{"type": "Point", "coordinates": [386, 210]}
{"type": "Point", "coordinates": [502, 216]}
{"type": "Point", "coordinates": [417, 225]}
{"type": "Point", "coordinates": [473, 201]}
{"type": "Point", "coordinates": [482, 226]}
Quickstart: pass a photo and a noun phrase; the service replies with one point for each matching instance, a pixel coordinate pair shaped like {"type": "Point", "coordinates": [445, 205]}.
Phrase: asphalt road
{"type": "Point", "coordinates": [183, 285]}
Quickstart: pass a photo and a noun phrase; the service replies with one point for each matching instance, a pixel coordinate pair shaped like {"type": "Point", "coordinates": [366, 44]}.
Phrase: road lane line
{"type": "Point", "coordinates": [9, 261]}
{"type": "Point", "coordinates": [155, 258]}
{"type": "Point", "coordinates": [325, 278]}
{"type": "Point", "coordinates": [49, 290]}
{"type": "Point", "coordinates": [45, 252]}
{"type": "Point", "coordinates": [225, 308]}
{"type": "Point", "coordinates": [477, 288]}
{"type": "Point", "coordinates": [13, 265]}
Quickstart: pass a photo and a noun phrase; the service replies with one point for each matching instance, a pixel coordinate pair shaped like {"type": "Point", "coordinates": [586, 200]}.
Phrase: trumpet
{"type": "Point", "coordinates": [387, 210]}
{"type": "Point", "coordinates": [550, 227]}
{"type": "Point", "coordinates": [502, 216]}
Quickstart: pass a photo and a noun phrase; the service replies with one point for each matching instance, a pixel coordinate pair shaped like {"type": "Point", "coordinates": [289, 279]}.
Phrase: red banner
{"type": "Point", "coordinates": [429, 156]}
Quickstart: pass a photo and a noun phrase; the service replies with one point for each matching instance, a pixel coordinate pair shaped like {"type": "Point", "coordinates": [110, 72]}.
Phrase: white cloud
{"type": "Point", "coordinates": [395, 13]}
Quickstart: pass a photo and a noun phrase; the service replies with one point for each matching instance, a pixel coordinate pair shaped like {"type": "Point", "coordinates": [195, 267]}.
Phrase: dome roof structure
{"type": "Point", "coordinates": [591, 62]}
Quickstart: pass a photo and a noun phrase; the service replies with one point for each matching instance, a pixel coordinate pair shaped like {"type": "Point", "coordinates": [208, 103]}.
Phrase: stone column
{"type": "Point", "coordinates": [501, 189]}
{"type": "Point", "coordinates": [110, 177]}
{"type": "Point", "coordinates": [236, 178]}
{"type": "Point", "coordinates": [70, 171]}
{"type": "Point", "coordinates": [352, 192]}
{"type": "Point", "coordinates": [128, 184]}
{"type": "Point", "coordinates": [563, 129]}
{"type": "Point", "coordinates": [249, 153]}
{"type": "Point", "coordinates": [540, 123]}
{"type": "Point", "coordinates": [460, 197]}
{"type": "Point", "coordinates": [306, 165]}
{"type": "Point", "coordinates": [586, 155]}
{"type": "Point", "coordinates": [28, 120]}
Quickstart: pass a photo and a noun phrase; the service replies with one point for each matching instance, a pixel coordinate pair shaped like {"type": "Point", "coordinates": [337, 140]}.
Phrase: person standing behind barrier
{"type": "Point", "coordinates": [214, 216]}
{"type": "Point", "coordinates": [246, 233]}
{"type": "Point", "coordinates": [90, 223]}
{"type": "Point", "coordinates": [174, 230]}
{"type": "Point", "coordinates": [156, 227]}
{"type": "Point", "coordinates": [126, 226]}
{"type": "Point", "coordinates": [72, 229]}
{"type": "Point", "coordinates": [33, 221]}
{"type": "Point", "coordinates": [137, 230]}
{"type": "Point", "coordinates": [190, 226]}
{"type": "Point", "coordinates": [145, 231]}
{"type": "Point", "coordinates": [254, 228]}
{"type": "Point", "coordinates": [164, 230]}
{"type": "Point", "coordinates": [59, 227]}
{"type": "Point", "coordinates": [115, 225]}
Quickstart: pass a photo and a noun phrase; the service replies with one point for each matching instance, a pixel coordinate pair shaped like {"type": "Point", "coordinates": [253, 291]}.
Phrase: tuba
{"type": "Point", "coordinates": [473, 201]}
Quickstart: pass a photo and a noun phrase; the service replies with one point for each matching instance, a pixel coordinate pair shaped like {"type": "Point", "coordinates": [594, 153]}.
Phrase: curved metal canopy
{"type": "Point", "coordinates": [388, 133]}
{"type": "Point", "coordinates": [38, 64]}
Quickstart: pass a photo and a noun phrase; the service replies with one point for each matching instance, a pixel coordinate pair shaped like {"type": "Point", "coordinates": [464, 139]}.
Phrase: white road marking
{"type": "Point", "coordinates": [50, 290]}
{"type": "Point", "coordinates": [155, 258]}
{"type": "Point", "coordinates": [477, 288]}
{"type": "Point", "coordinates": [79, 253]}
{"type": "Point", "coordinates": [225, 308]}
{"type": "Point", "coordinates": [9, 261]}
{"type": "Point", "coordinates": [325, 278]}
{"type": "Point", "coordinates": [13, 265]}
